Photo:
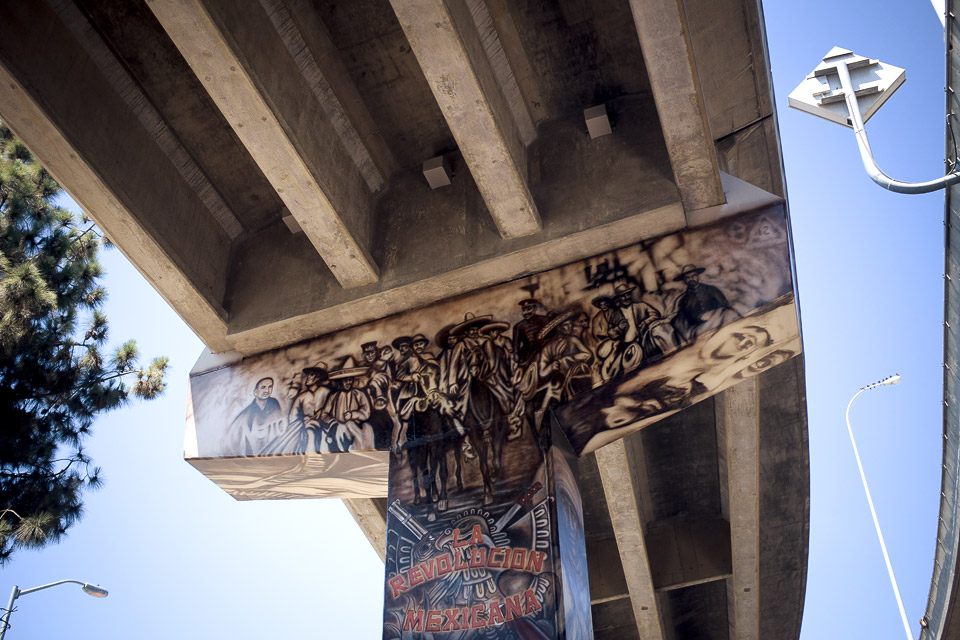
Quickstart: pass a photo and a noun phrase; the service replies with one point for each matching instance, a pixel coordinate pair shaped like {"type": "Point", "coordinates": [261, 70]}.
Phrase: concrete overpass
{"type": "Point", "coordinates": [262, 163]}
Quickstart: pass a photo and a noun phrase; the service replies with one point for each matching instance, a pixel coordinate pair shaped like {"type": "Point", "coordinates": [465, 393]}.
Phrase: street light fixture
{"type": "Point", "coordinates": [894, 379]}
{"type": "Point", "coordinates": [847, 88]}
{"type": "Point", "coordinates": [91, 589]}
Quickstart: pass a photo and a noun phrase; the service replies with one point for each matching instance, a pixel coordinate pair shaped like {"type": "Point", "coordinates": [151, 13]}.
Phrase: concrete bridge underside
{"type": "Point", "coordinates": [261, 164]}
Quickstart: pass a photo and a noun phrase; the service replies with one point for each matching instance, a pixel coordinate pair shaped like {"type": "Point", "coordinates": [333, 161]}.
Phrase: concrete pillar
{"type": "Point", "coordinates": [501, 550]}
{"type": "Point", "coordinates": [738, 420]}
{"type": "Point", "coordinates": [624, 503]}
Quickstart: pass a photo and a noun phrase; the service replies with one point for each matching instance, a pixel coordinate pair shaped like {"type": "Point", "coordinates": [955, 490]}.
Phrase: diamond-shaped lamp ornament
{"type": "Point", "coordinates": [821, 94]}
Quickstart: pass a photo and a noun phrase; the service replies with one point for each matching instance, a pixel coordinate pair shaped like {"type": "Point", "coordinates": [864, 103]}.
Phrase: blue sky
{"type": "Point", "coordinates": [183, 559]}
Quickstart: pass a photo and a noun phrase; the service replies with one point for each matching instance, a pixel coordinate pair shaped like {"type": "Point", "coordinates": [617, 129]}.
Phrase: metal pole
{"type": "Point", "coordinates": [5, 620]}
{"type": "Point", "coordinates": [873, 512]}
{"type": "Point", "coordinates": [878, 176]}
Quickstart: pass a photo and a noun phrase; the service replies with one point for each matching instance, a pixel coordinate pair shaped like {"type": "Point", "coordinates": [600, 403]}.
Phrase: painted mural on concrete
{"type": "Point", "coordinates": [610, 344]}
{"type": "Point", "coordinates": [511, 564]}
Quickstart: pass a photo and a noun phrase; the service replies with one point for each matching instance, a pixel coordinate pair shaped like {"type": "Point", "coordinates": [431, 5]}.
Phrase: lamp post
{"type": "Point", "coordinates": [91, 589]}
{"type": "Point", "coordinates": [830, 92]}
{"type": "Point", "coordinates": [894, 379]}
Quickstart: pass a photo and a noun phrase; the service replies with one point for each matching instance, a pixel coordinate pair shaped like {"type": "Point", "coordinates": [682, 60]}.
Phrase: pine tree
{"type": "Point", "coordinates": [55, 377]}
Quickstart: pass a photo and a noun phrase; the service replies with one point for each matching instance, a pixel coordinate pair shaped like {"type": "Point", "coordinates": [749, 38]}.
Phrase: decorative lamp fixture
{"type": "Point", "coordinates": [847, 89]}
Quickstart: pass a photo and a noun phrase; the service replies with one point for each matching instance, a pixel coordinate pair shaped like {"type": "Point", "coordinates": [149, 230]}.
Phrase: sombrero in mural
{"type": "Point", "coordinates": [623, 288]}
{"type": "Point", "coordinates": [441, 338]}
{"type": "Point", "coordinates": [528, 301]}
{"type": "Point", "coordinates": [319, 369]}
{"type": "Point", "coordinates": [689, 270]}
{"type": "Point", "coordinates": [596, 301]}
{"type": "Point", "coordinates": [495, 326]}
{"type": "Point", "coordinates": [401, 340]}
{"type": "Point", "coordinates": [555, 322]}
{"type": "Point", "coordinates": [348, 370]}
{"type": "Point", "coordinates": [469, 321]}
{"type": "Point", "coordinates": [419, 338]}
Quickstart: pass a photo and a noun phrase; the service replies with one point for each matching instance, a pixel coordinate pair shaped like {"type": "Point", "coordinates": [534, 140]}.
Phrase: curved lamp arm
{"type": "Point", "coordinates": [91, 589]}
{"type": "Point", "coordinates": [878, 176]}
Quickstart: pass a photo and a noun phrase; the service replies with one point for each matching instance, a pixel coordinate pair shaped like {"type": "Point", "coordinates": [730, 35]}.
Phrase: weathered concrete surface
{"type": "Point", "coordinates": [610, 191]}
{"type": "Point", "coordinates": [784, 468]}
{"type": "Point", "coordinates": [59, 103]}
{"type": "Point", "coordinates": [753, 155]}
{"type": "Point", "coordinates": [669, 57]}
{"type": "Point", "coordinates": [727, 41]}
{"type": "Point", "coordinates": [156, 66]}
{"type": "Point", "coordinates": [444, 38]}
{"type": "Point", "coordinates": [150, 119]}
{"type": "Point", "coordinates": [371, 516]}
{"type": "Point", "coordinates": [622, 501]}
{"type": "Point", "coordinates": [581, 54]}
{"type": "Point", "coordinates": [739, 422]}
{"type": "Point", "coordinates": [310, 44]}
{"type": "Point", "coordinates": [685, 552]}
{"type": "Point", "coordinates": [502, 65]}
{"type": "Point", "coordinates": [266, 100]}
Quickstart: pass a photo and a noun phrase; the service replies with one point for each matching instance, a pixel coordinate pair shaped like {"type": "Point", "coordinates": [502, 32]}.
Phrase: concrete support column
{"type": "Point", "coordinates": [738, 421]}
{"type": "Point", "coordinates": [500, 549]}
{"type": "Point", "coordinates": [623, 502]}
{"type": "Point", "coordinates": [370, 514]}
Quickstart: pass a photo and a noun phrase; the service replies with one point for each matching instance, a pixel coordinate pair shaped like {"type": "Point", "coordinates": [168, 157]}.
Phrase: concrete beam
{"type": "Point", "coordinates": [309, 42]}
{"type": "Point", "coordinates": [523, 72]}
{"type": "Point", "coordinates": [738, 424]}
{"type": "Point", "coordinates": [371, 516]}
{"type": "Point", "coordinates": [57, 100]}
{"type": "Point", "coordinates": [668, 55]}
{"type": "Point", "coordinates": [266, 335]}
{"type": "Point", "coordinates": [502, 66]}
{"type": "Point", "coordinates": [247, 69]}
{"type": "Point", "coordinates": [623, 501]}
{"type": "Point", "coordinates": [444, 37]}
{"type": "Point", "coordinates": [128, 89]}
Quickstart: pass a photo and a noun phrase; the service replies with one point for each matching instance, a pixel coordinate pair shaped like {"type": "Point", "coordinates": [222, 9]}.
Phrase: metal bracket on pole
{"type": "Point", "coordinates": [820, 96]}
{"type": "Point", "coordinates": [866, 154]}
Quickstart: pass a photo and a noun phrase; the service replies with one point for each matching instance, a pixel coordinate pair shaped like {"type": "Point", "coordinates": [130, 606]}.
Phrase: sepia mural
{"type": "Point", "coordinates": [608, 344]}
{"type": "Point", "coordinates": [471, 563]}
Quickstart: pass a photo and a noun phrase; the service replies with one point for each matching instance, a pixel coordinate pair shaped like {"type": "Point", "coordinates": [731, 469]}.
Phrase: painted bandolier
{"type": "Point", "coordinates": [513, 279]}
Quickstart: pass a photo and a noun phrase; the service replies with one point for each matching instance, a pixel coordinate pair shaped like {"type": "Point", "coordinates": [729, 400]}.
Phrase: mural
{"type": "Point", "coordinates": [609, 344]}
{"type": "Point", "coordinates": [479, 406]}
{"type": "Point", "coordinates": [468, 566]}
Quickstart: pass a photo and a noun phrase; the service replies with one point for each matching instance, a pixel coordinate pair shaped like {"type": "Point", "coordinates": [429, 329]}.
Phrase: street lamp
{"type": "Point", "coordinates": [91, 589]}
{"type": "Point", "coordinates": [847, 88]}
{"type": "Point", "coordinates": [894, 379]}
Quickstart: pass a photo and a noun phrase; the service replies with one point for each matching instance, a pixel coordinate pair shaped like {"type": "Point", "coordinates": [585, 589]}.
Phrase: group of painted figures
{"type": "Point", "coordinates": [486, 383]}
